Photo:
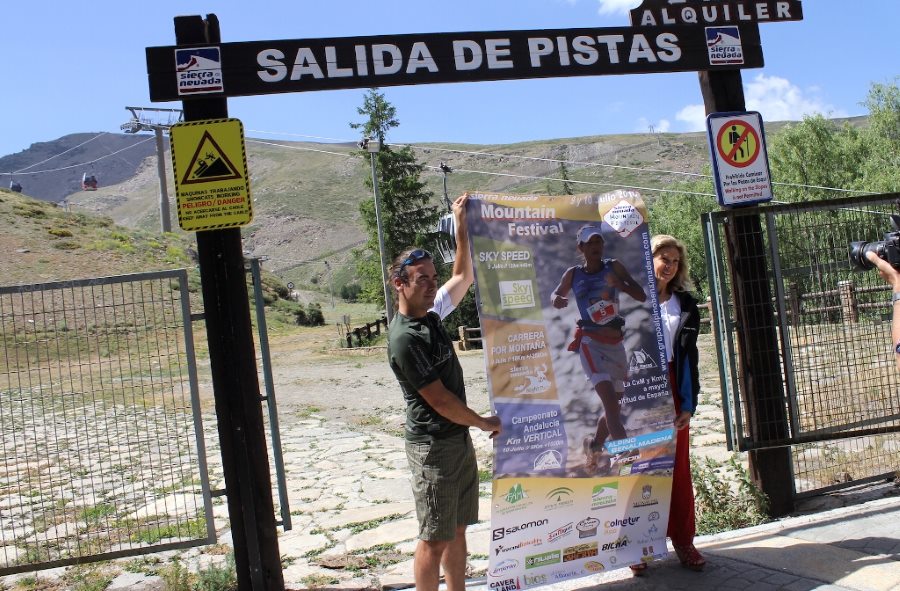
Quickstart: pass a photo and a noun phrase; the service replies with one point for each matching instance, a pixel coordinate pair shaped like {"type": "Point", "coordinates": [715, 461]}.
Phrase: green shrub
{"type": "Point", "coordinates": [350, 292]}
{"type": "Point", "coordinates": [60, 232]}
{"type": "Point", "coordinates": [176, 577]}
{"type": "Point", "coordinates": [66, 245]}
{"type": "Point", "coordinates": [314, 314]}
{"type": "Point", "coordinates": [29, 211]}
{"type": "Point", "coordinates": [217, 578]}
{"type": "Point", "coordinates": [726, 497]}
{"type": "Point", "coordinates": [311, 316]}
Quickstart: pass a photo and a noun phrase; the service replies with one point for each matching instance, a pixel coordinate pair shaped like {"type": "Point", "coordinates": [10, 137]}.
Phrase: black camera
{"type": "Point", "coordinates": [887, 249]}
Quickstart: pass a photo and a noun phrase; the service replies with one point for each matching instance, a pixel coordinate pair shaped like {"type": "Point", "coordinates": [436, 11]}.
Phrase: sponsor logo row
{"type": "Point", "coordinates": [603, 495]}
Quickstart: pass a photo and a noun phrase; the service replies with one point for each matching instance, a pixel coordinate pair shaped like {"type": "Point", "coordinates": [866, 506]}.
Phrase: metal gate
{"type": "Point", "coordinates": [102, 443]}
{"type": "Point", "coordinates": [837, 368]}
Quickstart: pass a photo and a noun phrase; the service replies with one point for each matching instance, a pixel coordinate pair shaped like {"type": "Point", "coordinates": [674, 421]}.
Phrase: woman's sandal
{"type": "Point", "coordinates": [690, 558]}
{"type": "Point", "coordinates": [639, 570]}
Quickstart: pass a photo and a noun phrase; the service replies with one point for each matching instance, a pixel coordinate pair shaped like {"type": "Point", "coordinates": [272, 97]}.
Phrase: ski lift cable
{"type": "Point", "coordinates": [439, 169]}
{"type": "Point", "coordinates": [300, 148]}
{"type": "Point", "coordinates": [558, 161]}
{"type": "Point", "coordinates": [479, 153]}
{"type": "Point", "coordinates": [82, 164]}
{"type": "Point", "coordinates": [312, 137]}
{"type": "Point", "coordinates": [592, 183]}
{"type": "Point", "coordinates": [573, 181]}
{"type": "Point", "coordinates": [61, 153]}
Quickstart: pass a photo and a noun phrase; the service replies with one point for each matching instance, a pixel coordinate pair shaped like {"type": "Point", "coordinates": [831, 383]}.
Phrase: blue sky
{"type": "Point", "coordinates": [73, 66]}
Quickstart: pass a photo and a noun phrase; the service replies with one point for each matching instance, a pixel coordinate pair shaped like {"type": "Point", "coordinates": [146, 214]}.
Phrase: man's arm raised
{"type": "Point", "coordinates": [463, 273]}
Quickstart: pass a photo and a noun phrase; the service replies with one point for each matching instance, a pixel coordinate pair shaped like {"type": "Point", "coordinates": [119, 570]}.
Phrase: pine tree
{"type": "Point", "coordinates": [407, 216]}
{"type": "Point", "coordinates": [564, 176]}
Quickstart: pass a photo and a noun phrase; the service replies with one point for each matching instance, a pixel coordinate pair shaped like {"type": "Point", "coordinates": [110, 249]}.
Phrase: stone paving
{"type": "Point", "coordinates": [354, 526]}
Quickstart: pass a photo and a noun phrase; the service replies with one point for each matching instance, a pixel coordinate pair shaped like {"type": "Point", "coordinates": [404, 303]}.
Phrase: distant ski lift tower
{"type": "Point", "coordinates": [156, 120]}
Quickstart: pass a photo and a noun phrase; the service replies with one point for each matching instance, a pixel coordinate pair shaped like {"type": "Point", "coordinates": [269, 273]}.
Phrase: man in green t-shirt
{"type": "Point", "coordinates": [438, 446]}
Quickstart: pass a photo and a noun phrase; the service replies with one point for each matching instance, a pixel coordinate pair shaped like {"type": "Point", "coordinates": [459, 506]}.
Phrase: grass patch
{"type": "Point", "coordinates": [80, 578]}
{"type": "Point", "coordinates": [372, 523]}
{"type": "Point", "coordinates": [195, 528]}
{"type": "Point", "coordinates": [97, 512]}
{"type": "Point", "coordinates": [319, 580]}
{"type": "Point", "coordinates": [370, 421]}
{"type": "Point", "coordinates": [308, 411]}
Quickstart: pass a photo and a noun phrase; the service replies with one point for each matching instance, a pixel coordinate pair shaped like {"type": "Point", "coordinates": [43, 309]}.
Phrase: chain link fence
{"type": "Point", "coordinates": [832, 352]}
{"type": "Point", "coordinates": [100, 432]}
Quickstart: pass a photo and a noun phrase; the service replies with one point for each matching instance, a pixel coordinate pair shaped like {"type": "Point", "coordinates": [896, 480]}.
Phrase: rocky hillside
{"type": "Point", "coordinates": [53, 170]}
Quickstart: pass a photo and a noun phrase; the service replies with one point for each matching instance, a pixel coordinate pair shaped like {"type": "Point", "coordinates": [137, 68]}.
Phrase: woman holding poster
{"type": "Point", "coordinates": [598, 337]}
{"type": "Point", "coordinates": [681, 322]}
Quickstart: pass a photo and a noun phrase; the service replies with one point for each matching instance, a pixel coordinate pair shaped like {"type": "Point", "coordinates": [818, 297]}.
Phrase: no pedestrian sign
{"type": "Point", "coordinates": [212, 187]}
{"type": "Point", "coordinates": [740, 162]}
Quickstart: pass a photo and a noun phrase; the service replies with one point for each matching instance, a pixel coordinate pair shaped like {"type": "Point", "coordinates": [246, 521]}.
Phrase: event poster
{"type": "Point", "coordinates": [576, 369]}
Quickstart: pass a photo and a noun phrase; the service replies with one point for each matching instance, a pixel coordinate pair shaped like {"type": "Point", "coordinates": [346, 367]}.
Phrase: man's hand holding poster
{"type": "Point", "coordinates": [576, 371]}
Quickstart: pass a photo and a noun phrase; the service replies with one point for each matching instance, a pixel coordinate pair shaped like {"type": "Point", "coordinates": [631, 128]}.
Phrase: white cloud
{"type": "Point", "coordinates": [779, 100]}
{"type": "Point", "coordinates": [617, 6]}
{"type": "Point", "coordinates": [693, 117]}
{"type": "Point", "coordinates": [775, 98]}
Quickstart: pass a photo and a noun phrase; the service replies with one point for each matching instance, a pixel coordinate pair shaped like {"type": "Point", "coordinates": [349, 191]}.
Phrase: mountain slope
{"type": "Point", "coordinates": [43, 242]}
{"type": "Point", "coordinates": [306, 196]}
{"type": "Point", "coordinates": [53, 170]}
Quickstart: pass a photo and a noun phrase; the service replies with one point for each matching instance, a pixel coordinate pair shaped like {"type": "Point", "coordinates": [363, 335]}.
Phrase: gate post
{"type": "Point", "coordinates": [760, 368]}
{"type": "Point", "coordinates": [226, 304]}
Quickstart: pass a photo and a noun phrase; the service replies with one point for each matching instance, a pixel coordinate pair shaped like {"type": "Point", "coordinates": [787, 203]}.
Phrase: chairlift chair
{"type": "Point", "coordinates": [446, 227]}
{"type": "Point", "coordinates": [88, 182]}
{"type": "Point", "coordinates": [14, 186]}
{"type": "Point", "coordinates": [446, 239]}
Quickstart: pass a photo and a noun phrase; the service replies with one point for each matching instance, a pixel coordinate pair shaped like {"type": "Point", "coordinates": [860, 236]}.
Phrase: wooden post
{"type": "Point", "coordinates": [226, 304]}
{"type": "Point", "coordinates": [760, 368]}
{"type": "Point", "coordinates": [849, 309]}
{"type": "Point", "coordinates": [462, 339]}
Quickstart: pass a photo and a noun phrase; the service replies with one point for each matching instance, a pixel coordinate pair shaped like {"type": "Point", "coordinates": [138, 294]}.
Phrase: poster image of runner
{"type": "Point", "coordinates": [576, 371]}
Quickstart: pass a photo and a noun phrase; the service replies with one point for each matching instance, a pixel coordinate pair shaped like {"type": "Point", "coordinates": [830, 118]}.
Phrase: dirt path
{"type": "Point", "coordinates": [357, 387]}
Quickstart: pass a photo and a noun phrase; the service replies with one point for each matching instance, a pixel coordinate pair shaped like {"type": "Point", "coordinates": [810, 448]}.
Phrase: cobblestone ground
{"type": "Point", "coordinates": [353, 518]}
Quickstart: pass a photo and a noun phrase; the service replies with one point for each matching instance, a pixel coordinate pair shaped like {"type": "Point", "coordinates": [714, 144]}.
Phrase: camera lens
{"type": "Point", "coordinates": [858, 252]}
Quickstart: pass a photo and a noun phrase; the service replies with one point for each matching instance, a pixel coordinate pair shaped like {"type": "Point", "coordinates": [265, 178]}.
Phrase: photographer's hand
{"type": "Point", "coordinates": [886, 270]}
{"type": "Point", "coordinates": [892, 277]}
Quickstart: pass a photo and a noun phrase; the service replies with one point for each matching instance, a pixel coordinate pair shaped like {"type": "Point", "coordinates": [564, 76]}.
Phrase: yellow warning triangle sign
{"type": "Point", "coordinates": [209, 163]}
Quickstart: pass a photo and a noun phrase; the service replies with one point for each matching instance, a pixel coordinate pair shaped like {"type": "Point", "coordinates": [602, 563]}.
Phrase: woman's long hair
{"type": "Point", "coordinates": [682, 280]}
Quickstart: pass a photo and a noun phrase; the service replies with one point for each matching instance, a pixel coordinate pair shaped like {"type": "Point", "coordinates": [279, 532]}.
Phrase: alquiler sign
{"type": "Point", "coordinates": [657, 13]}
